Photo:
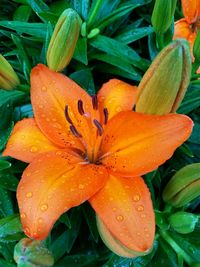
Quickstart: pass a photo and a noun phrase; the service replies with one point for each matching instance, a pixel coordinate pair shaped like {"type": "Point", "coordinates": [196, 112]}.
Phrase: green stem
{"type": "Point", "coordinates": [160, 41]}
{"type": "Point", "coordinates": [195, 67]}
{"type": "Point", "coordinates": [94, 12]}
{"type": "Point", "coordinates": [176, 247]}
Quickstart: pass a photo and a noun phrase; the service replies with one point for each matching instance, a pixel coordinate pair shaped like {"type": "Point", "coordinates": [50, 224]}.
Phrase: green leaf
{"type": "Point", "coordinates": [34, 29]}
{"type": "Point", "coordinates": [22, 13]}
{"type": "Point", "coordinates": [13, 96]}
{"type": "Point", "coordinates": [82, 7]}
{"type": "Point", "coordinates": [4, 165]}
{"type": "Point", "coordinates": [191, 100]}
{"type": "Point", "coordinates": [118, 49]}
{"type": "Point", "coordinates": [85, 79]}
{"type": "Point", "coordinates": [8, 181]}
{"type": "Point", "coordinates": [6, 206]}
{"type": "Point", "coordinates": [10, 229]}
{"type": "Point", "coordinates": [80, 53]}
{"type": "Point", "coordinates": [195, 137]}
{"type": "Point", "coordinates": [38, 6]}
{"type": "Point", "coordinates": [132, 35]}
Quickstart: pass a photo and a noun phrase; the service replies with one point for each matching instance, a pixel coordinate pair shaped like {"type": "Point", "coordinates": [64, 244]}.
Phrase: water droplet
{"type": "Point", "coordinates": [40, 220]}
{"type": "Point", "coordinates": [26, 230]}
{"type": "Point", "coordinates": [114, 209]}
{"type": "Point", "coordinates": [143, 215]}
{"type": "Point", "coordinates": [34, 149]}
{"type": "Point", "coordinates": [140, 208]}
{"type": "Point", "coordinates": [29, 194]}
{"type": "Point", "coordinates": [72, 189]}
{"type": "Point", "coordinates": [23, 215]}
{"type": "Point", "coordinates": [120, 218]}
{"type": "Point", "coordinates": [43, 88]}
{"type": "Point", "coordinates": [136, 198]}
{"type": "Point", "coordinates": [28, 174]}
{"type": "Point", "coordinates": [44, 207]}
{"type": "Point", "coordinates": [23, 136]}
{"type": "Point", "coordinates": [81, 186]}
{"type": "Point", "coordinates": [147, 235]}
{"type": "Point", "coordinates": [111, 198]}
{"type": "Point", "coordinates": [58, 153]}
{"type": "Point", "coordinates": [118, 109]}
{"type": "Point", "coordinates": [54, 119]}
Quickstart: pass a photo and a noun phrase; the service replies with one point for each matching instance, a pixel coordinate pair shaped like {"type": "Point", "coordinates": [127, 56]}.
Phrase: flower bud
{"type": "Point", "coordinates": [8, 77]}
{"type": "Point", "coordinates": [196, 47]}
{"type": "Point", "coordinates": [183, 222]}
{"type": "Point", "coordinates": [32, 253]}
{"type": "Point", "coordinates": [163, 14]}
{"type": "Point", "coordinates": [115, 245]}
{"type": "Point", "coordinates": [63, 41]}
{"type": "Point", "coordinates": [184, 186]}
{"type": "Point", "coordinates": [164, 85]}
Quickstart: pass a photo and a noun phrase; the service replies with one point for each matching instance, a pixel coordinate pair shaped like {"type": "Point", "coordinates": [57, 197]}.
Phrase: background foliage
{"type": "Point", "coordinates": [118, 41]}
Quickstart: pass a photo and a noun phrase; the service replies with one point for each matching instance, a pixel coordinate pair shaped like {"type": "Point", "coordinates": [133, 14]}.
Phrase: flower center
{"type": "Point", "coordinates": [92, 123]}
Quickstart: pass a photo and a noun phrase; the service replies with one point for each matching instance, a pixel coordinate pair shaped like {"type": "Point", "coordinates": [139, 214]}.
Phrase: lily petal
{"type": "Point", "coordinates": [50, 93]}
{"type": "Point", "coordinates": [51, 185]}
{"type": "Point", "coordinates": [125, 207]}
{"type": "Point", "coordinates": [183, 30]}
{"type": "Point", "coordinates": [27, 141]}
{"type": "Point", "coordinates": [116, 96]}
{"type": "Point", "coordinates": [134, 143]}
{"type": "Point", "coordinates": [190, 10]}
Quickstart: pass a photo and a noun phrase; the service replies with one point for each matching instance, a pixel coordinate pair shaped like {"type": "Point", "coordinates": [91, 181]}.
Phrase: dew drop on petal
{"type": "Point", "coordinates": [40, 220]}
{"type": "Point", "coordinates": [26, 230]}
{"type": "Point", "coordinates": [143, 215]}
{"type": "Point", "coordinates": [23, 215]}
{"type": "Point", "coordinates": [44, 207]}
{"type": "Point", "coordinates": [120, 218]}
{"type": "Point", "coordinates": [136, 197]}
{"type": "Point", "coordinates": [140, 208]}
{"type": "Point", "coordinates": [29, 194]}
{"type": "Point", "coordinates": [81, 186]}
{"type": "Point", "coordinates": [34, 149]}
{"type": "Point", "coordinates": [114, 209]}
{"type": "Point", "coordinates": [44, 89]}
{"type": "Point", "coordinates": [28, 174]}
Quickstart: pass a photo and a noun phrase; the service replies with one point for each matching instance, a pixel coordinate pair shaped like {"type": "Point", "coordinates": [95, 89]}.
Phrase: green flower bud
{"type": "Point", "coordinates": [115, 245]}
{"type": "Point", "coordinates": [183, 222]}
{"type": "Point", "coordinates": [32, 253]}
{"type": "Point", "coordinates": [163, 14]}
{"type": "Point", "coordinates": [196, 48]}
{"type": "Point", "coordinates": [184, 186]}
{"type": "Point", "coordinates": [63, 41]}
{"type": "Point", "coordinates": [164, 85]}
{"type": "Point", "coordinates": [8, 77]}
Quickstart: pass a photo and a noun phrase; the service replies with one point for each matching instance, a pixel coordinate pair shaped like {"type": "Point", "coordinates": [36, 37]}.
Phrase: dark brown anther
{"type": "Point", "coordinates": [95, 102]}
{"type": "Point", "coordinates": [105, 112]}
{"type": "Point", "coordinates": [80, 107]}
{"type": "Point", "coordinates": [74, 131]}
{"type": "Point", "coordinates": [99, 127]}
{"type": "Point", "coordinates": [67, 115]}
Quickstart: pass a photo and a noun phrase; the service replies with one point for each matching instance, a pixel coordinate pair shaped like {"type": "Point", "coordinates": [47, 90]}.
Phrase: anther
{"type": "Point", "coordinates": [95, 102]}
{"type": "Point", "coordinates": [74, 131]}
{"type": "Point", "coordinates": [67, 115]}
{"type": "Point", "coordinates": [99, 127]}
{"type": "Point", "coordinates": [105, 112]}
{"type": "Point", "coordinates": [80, 107]}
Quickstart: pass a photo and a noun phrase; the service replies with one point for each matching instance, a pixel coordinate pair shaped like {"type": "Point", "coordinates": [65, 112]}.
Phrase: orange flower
{"type": "Point", "coordinates": [91, 148]}
{"type": "Point", "coordinates": [187, 27]}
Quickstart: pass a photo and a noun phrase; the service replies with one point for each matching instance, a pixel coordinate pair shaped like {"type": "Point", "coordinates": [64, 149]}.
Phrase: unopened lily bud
{"type": "Point", "coordinates": [63, 41]}
{"type": "Point", "coordinates": [163, 14]}
{"type": "Point", "coordinates": [183, 222]}
{"type": "Point", "coordinates": [196, 48]}
{"type": "Point", "coordinates": [184, 186]}
{"type": "Point", "coordinates": [32, 253]}
{"type": "Point", "coordinates": [164, 84]}
{"type": "Point", "coordinates": [115, 245]}
{"type": "Point", "coordinates": [8, 77]}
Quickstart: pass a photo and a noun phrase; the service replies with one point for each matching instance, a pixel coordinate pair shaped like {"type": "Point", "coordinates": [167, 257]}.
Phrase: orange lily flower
{"type": "Point", "coordinates": [91, 148]}
{"type": "Point", "coordinates": [188, 26]}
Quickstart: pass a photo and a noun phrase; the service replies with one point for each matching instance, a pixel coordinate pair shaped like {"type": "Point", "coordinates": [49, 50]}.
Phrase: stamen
{"type": "Point", "coordinates": [105, 112]}
{"type": "Point", "coordinates": [67, 115]}
{"type": "Point", "coordinates": [95, 102]}
{"type": "Point", "coordinates": [74, 131]}
{"type": "Point", "coordinates": [80, 107]}
{"type": "Point", "coordinates": [99, 127]}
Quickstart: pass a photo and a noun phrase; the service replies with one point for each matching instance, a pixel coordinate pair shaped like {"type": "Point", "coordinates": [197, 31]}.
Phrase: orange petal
{"type": "Point", "coordinates": [134, 143]}
{"type": "Point", "coordinates": [51, 185]}
{"type": "Point", "coordinates": [50, 93]}
{"type": "Point", "coordinates": [116, 96]}
{"type": "Point", "coordinates": [125, 207]}
{"type": "Point", "coordinates": [190, 10]}
{"type": "Point", "coordinates": [183, 30]}
{"type": "Point", "coordinates": [27, 141]}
